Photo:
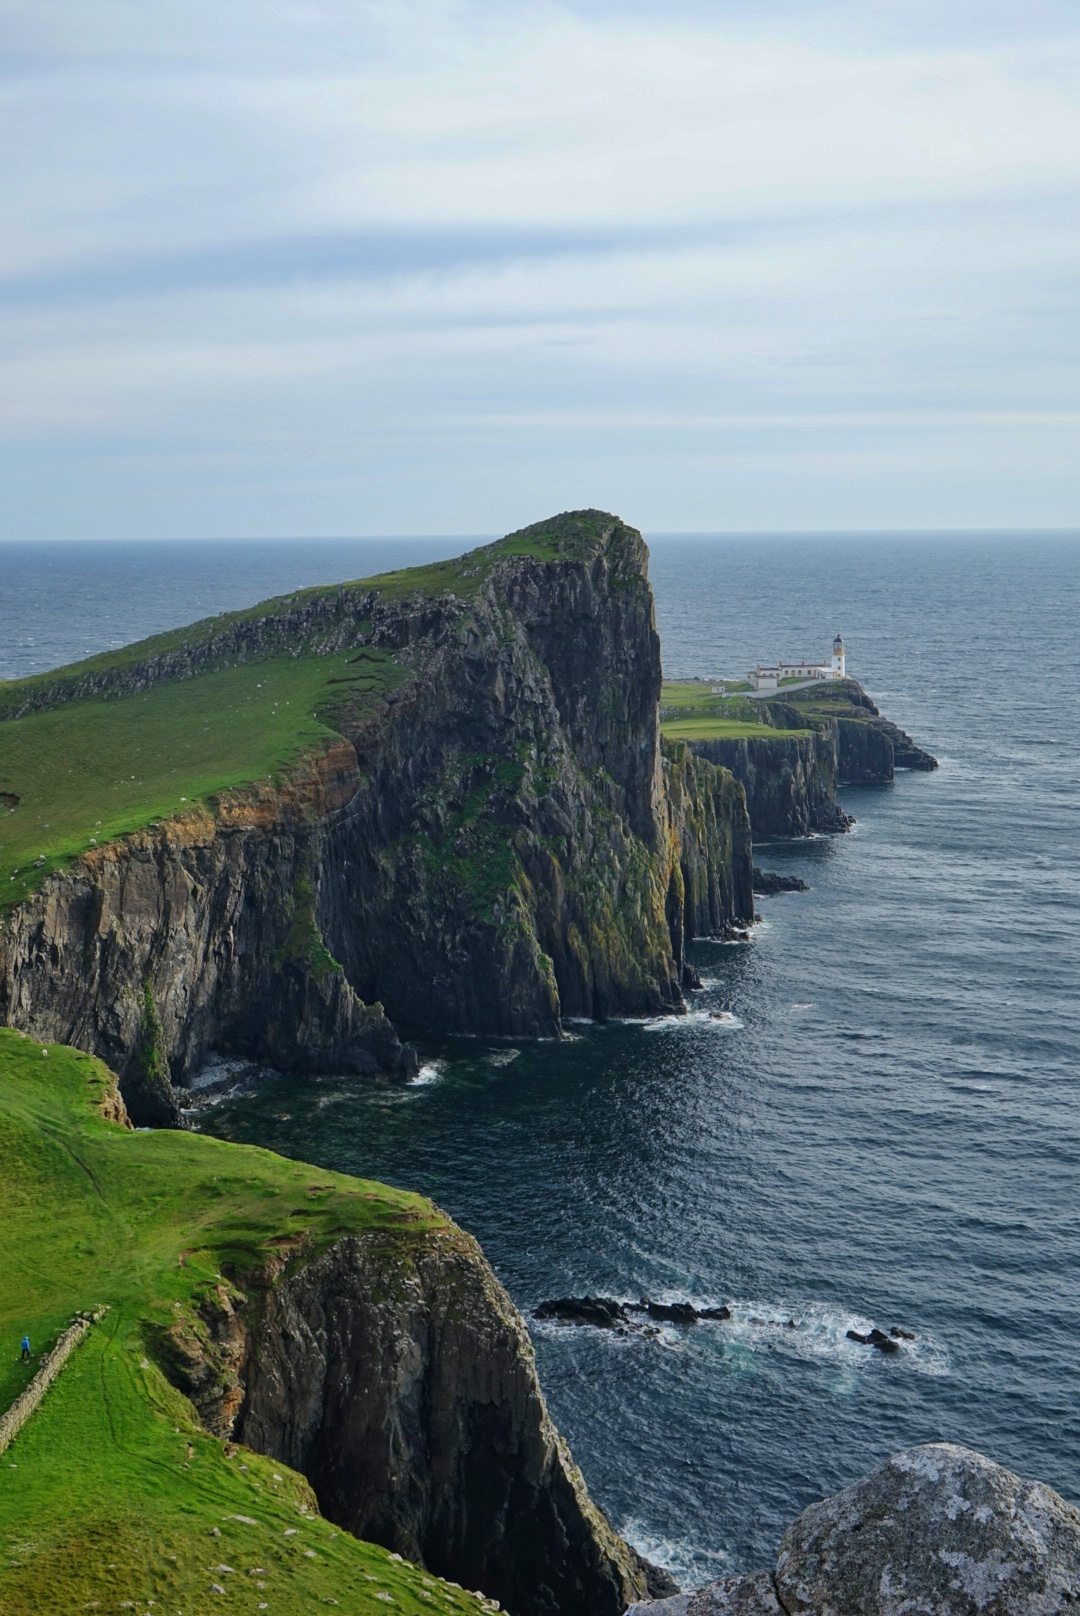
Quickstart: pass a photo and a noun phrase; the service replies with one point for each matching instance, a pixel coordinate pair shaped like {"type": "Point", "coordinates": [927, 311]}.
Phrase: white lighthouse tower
{"type": "Point", "coordinates": [837, 664]}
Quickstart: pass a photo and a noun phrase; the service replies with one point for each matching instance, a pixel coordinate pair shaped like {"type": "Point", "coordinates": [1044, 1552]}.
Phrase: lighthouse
{"type": "Point", "coordinates": [836, 666]}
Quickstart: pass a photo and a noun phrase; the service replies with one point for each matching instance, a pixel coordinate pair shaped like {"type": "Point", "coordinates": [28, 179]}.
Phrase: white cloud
{"type": "Point", "coordinates": [233, 226]}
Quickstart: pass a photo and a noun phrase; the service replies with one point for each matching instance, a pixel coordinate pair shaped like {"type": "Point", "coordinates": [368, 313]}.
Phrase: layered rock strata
{"type": "Point", "coordinates": [939, 1531]}
{"type": "Point", "coordinates": [395, 1373]}
{"type": "Point", "coordinates": [490, 846]}
{"type": "Point", "coordinates": [791, 780]}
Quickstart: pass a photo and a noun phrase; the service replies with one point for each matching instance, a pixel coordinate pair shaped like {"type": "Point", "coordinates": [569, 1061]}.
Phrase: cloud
{"type": "Point", "coordinates": [438, 227]}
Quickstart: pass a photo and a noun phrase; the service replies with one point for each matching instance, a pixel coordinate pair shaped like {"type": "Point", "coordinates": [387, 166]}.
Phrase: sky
{"type": "Point", "coordinates": [331, 267]}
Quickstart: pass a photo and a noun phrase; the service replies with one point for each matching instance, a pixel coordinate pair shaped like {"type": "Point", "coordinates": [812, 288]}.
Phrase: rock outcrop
{"type": "Point", "coordinates": [938, 1531]}
{"type": "Point", "coordinates": [791, 779]}
{"type": "Point", "coordinates": [395, 1373]}
{"type": "Point", "coordinates": [491, 845]}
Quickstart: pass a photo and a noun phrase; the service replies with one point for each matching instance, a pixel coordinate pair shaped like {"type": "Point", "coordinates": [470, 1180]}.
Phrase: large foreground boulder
{"type": "Point", "coordinates": [937, 1531]}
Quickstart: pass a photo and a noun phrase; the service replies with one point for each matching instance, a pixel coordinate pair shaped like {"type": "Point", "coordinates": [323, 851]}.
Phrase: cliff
{"type": "Point", "coordinates": [304, 1383]}
{"type": "Point", "coordinates": [938, 1530]}
{"type": "Point", "coordinates": [480, 839]}
{"type": "Point", "coordinates": [790, 753]}
{"type": "Point", "coordinates": [400, 1380]}
{"type": "Point", "coordinates": [790, 780]}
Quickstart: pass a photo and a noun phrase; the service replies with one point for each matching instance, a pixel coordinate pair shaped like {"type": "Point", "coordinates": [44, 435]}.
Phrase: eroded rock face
{"type": "Point", "coordinates": [941, 1531]}
{"type": "Point", "coordinates": [493, 844]}
{"type": "Point", "coordinates": [938, 1531]}
{"type": "Point", "coordinates": [790, 782]}
{"type": "Point", "coordinates": [395, 1373]}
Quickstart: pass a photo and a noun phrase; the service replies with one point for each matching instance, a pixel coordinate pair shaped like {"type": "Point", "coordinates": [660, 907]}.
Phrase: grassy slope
{"type": "Point", "coordinates": [112, 1490]}
{"type": "Point", "coordinates": [690, 712]}
{"type": "Point", "coordinates": [462, 576]}
{"type": "Point", "coordinates": [95, 770]}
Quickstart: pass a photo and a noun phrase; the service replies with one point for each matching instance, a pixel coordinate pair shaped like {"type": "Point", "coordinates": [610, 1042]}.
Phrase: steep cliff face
{"type": "Point", "coordinates": [828, 736]}
{"type": "Point", "coordinates": [399, 1378]}
{"type": "Point", "coordinates": [790, 781]}
{"type": "Point", "coordinates": [712, 867]}
{"type": "Point", "coordinates": [198, 935]}
{"type": "Point", "coordinates": [487, 847]}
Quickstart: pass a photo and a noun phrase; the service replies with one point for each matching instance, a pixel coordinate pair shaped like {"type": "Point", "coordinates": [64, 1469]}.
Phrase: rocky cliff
{"type": "Point", "coordinates": [831, 736]}
{"type": "Point", "coordinates": [397, 1376]}
{"type": "Point", "coordinates": [790, 781]}
{"type": "Point", "coordinates": [492, 841]}
{"type": "Point", "coordinates": [938, 1531]}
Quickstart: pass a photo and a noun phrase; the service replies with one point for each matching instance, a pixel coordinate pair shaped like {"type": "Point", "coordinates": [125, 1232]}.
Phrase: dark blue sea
{"type": "Point", "coordinates": [885, 1131]}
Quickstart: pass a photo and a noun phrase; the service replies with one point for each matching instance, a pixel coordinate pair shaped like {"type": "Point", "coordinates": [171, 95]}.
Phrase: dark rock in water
{"type": "Point", "coordinates": [938, 1531]}
{"type": "Point", "coordinates": [902, 1335]}
{"type": "Point", "coordinates": [673, 1312]}
{"type": "Point", "coordinates": [690, 977]}
{"type": "Point", "coordinates": [604, 1312]}
{"type": "Point", "coordinates": [876, 1338]}
{"type": "Point", "coordinates": [767, 882]}
{"type": "Point", "coordinates": [601, 1311]}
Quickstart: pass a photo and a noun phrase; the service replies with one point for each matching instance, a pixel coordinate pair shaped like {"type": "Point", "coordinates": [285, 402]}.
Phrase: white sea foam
{"type": "Point", "coordinates": [429, 1072]}
{"type": "Point", "coordinates": [502, 1057]}
{"type": "Point", "coordinates": [690, 1564]}
{"type": "Point", "coordinates": [715, 1020]}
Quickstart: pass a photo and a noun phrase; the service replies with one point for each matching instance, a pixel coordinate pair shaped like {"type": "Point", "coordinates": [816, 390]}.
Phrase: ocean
{"type": "Point", "coordinates": [885, 1127]}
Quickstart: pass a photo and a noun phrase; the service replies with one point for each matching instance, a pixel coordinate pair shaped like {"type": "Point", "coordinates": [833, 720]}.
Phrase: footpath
{"type": "Point", "coordinates": [25, 1404]}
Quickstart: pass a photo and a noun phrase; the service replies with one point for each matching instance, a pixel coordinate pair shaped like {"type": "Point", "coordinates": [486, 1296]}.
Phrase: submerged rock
{"type": "Point", "coordinates": [937, 1531]}
{"type": "Point", "coordinates": [602, 1311]}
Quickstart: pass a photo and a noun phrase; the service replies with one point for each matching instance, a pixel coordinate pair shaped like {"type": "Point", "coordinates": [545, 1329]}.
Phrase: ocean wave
{"type": "Point", "coordinates": [502, 1057]}
{"type": "Point", "coordinates": [690, 1564]}
{"type": "Point", "coordinates": [430, 1072]}
{"type": "Point", "coordinates": [814, 1332]}
{"type": "Point", "coordinates": [717, 1020]}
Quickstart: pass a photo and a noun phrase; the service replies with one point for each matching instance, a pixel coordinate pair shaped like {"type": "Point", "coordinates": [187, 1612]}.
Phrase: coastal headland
{"type": "Point", "coordinates": [453, 799]}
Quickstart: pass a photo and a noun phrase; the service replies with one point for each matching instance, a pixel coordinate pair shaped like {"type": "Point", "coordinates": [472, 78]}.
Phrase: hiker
{"type": "Point", "coordinates": [26, 1349]}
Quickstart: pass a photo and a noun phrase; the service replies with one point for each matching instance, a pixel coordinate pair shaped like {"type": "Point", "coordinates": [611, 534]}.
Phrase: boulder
{"type": "Point", "coordinates": [937, 1531]}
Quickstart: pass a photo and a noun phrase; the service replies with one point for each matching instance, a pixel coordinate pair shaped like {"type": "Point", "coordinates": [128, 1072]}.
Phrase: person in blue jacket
{"type": "Point", "coordinates": [26, 1349]}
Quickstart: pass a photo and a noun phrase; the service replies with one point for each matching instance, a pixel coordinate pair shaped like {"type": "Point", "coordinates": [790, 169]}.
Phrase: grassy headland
{"type": "Point", "coordinates": [691, 711]}
{"type": "Point", "coordinates": [86, 768]}
{"type": "Point", "coordinates": [113, 1490]}
{"type": "Point", "coordinates": [89, 771]}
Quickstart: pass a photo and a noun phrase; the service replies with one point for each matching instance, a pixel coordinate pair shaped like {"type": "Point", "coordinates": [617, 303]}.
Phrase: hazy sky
{"type": "Point", "coordinates": [332, 267]}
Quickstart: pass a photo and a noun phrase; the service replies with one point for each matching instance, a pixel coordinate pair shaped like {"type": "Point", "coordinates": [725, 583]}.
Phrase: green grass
{"type": "Point", "coordinates": [95, 770]}
{"type": "Point", "coordinates": [571, 536]}
{"type": "Point", "coordinates": [709, 728]}
{"type": "Point", "coordinates": [689, 711]}
{"type": "Point", "coordinates": [112, 1491]}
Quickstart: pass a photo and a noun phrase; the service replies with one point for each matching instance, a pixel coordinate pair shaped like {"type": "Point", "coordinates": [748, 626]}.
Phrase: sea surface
{"type": "Point", "coordinates": [885, 1129]}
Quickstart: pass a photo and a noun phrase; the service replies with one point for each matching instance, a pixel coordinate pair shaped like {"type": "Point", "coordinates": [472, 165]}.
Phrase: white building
{"type": "Point", "coordinates": [773, 677]}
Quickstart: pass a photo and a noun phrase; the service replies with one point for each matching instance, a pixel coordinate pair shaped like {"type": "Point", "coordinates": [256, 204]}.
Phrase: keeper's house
{"type": "Point", "coordinates": [773, 678]}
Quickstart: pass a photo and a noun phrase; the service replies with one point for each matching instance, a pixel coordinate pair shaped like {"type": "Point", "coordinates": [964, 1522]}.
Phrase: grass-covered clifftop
{"type": "Point", "coordinates": [458, 766]}
{"type": "Point", "coordinates": [690, 710]}
{"type": "Point", "coordinates": [86, 771]}
{"type": "Point", "coordinates": [113, 1491]}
